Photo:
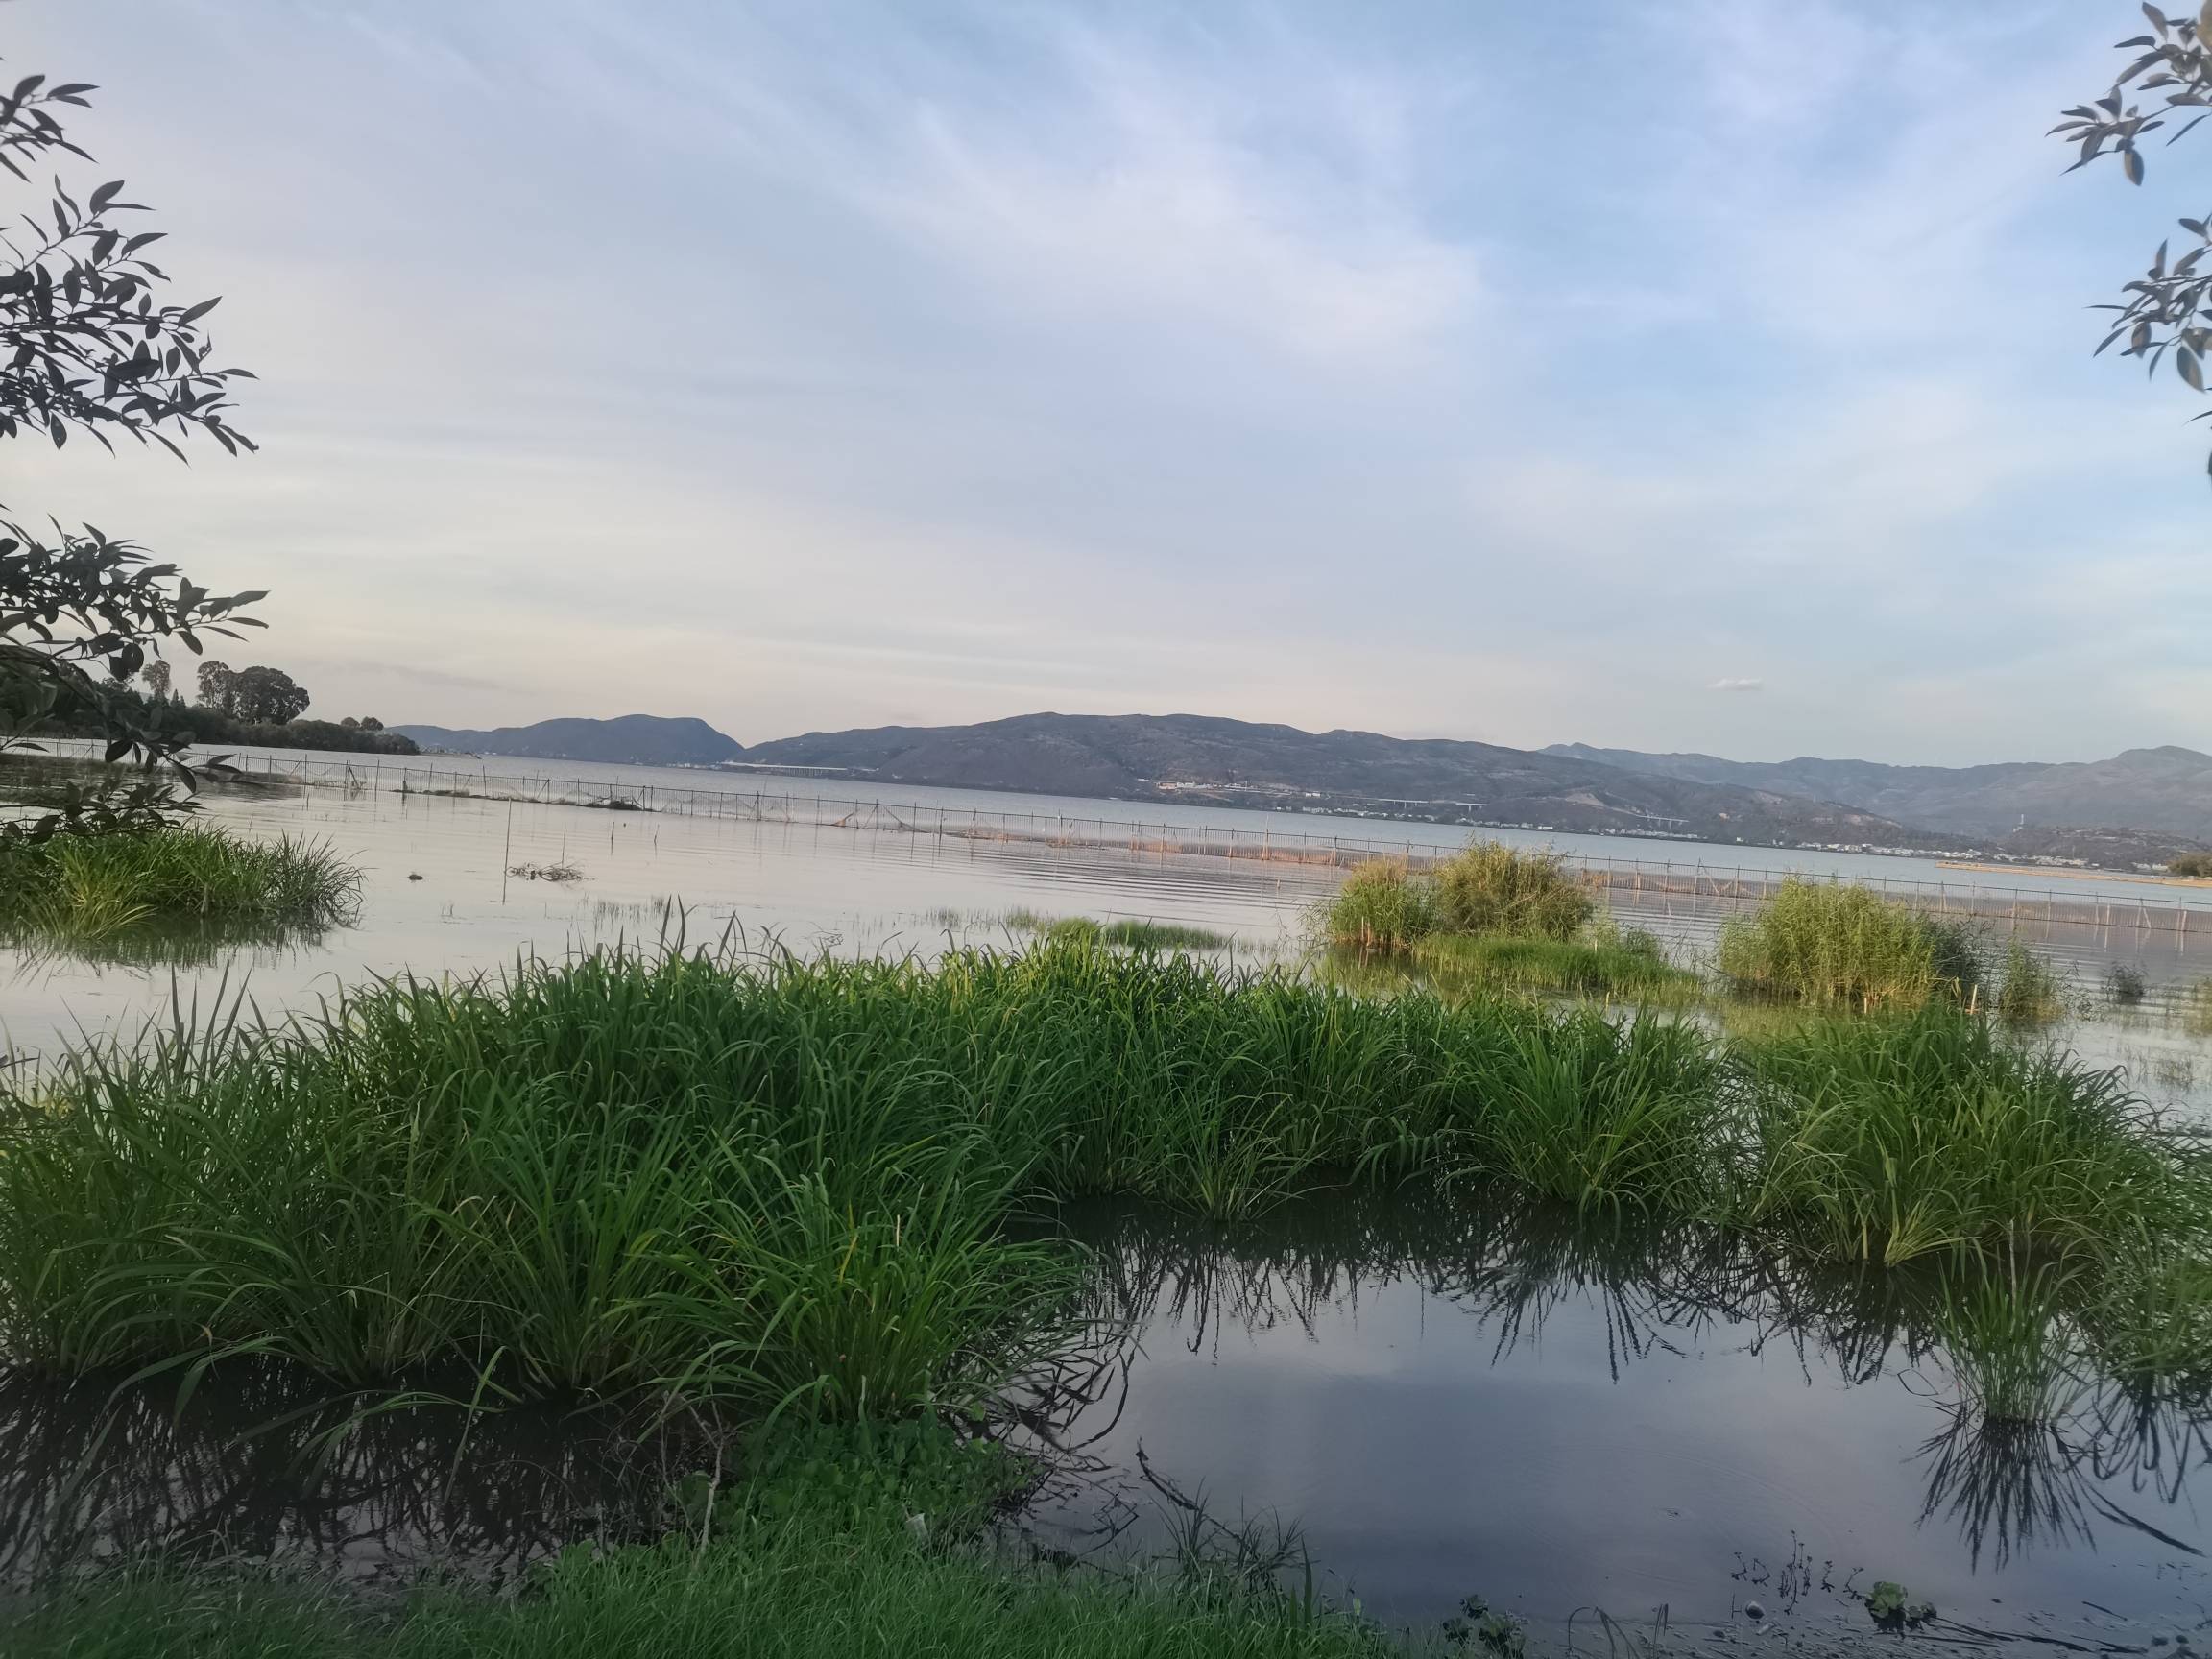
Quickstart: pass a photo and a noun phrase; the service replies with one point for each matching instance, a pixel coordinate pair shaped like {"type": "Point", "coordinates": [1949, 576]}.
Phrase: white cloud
{"type": "Point", "coordinates": [809, 364]}
{"type": "Point", "coordinates": [1157, 201]}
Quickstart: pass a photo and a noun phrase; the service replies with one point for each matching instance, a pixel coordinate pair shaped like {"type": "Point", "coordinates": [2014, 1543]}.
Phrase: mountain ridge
{"type": "Point", "coordinates": [628, 739]}
{"type": "Point", "coordinates": [1234, 763]}
{"type": "Point", "coordinates": [2139, 805]}
{"type": "Point", "coordinates": [2165, 789]}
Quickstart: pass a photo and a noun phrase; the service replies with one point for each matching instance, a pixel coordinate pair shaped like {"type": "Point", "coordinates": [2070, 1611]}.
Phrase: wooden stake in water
{"type": "Point", "coordinates": [506, 852]}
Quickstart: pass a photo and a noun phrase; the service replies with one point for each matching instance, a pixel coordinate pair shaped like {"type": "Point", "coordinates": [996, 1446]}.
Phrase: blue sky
{"type": "Point", "coordinates": [1710, 374]}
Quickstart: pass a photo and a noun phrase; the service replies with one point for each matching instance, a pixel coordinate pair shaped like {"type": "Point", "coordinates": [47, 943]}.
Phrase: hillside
{"type": "Point", "coordinates": [2167, 791]}
{"type": "Point", "coordinates": [1234, 763]}
{"type": "Point", "coordinates": [633, 740]}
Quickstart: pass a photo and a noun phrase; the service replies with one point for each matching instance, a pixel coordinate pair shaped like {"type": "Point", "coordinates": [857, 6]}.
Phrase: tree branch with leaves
{"type": "Point", "coordinates": [88, 343]}
{"type": "Point", "coordinates": [2167, 310]}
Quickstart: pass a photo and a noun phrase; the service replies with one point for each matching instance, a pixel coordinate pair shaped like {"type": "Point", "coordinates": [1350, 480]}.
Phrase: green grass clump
{"type": "Point", "coordinates": [1895, 1140]}
{"type": "Point", "coordinates": [1606, 1114]}
{"type": "Point", "coordinates": [1511, 892]}
{"type": "Point", "coordinates": [1381, 906]}
{"type": "Point", "coordinates": [600, 1177]}
{"type": "Point", "coordinates": [792, 1182]}
{"type": "Point", "coordinates": [1842, 946]}
{"type": "Point", "coordinates": [766, 1180]}
{"type": "Point", "coordinates": [95, 887]}
{"type": "Point", "coordinates": [1488, 890]}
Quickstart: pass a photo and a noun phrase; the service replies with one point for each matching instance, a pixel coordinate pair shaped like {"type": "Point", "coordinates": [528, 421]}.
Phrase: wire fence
{"type": "Point", "coordinates": [1693, 885]}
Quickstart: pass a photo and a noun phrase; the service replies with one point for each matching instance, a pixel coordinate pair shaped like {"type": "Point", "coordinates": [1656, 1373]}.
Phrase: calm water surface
{"type": "Point", "coordinates": [1476, 1397]}
{"type": "Point", "coordinates": [1447, 1399]}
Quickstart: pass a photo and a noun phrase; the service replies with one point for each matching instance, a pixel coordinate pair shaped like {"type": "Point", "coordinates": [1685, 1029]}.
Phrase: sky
{"type": "Point", "coordinates": [1706, 375]}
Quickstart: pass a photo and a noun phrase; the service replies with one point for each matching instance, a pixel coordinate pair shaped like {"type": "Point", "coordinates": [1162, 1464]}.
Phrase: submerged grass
{"type": "Point", "coordinates": [1630, 970]}
{"type": "Point", "coordinates": [95, 889]}
{"type": "Point", "coordinates": [1129, 932]}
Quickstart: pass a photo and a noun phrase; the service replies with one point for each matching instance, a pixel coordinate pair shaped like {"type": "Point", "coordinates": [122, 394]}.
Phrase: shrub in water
{"type": "Point", "coordinates": [1832, 944]}
{"type": "Point", "coordinates": [1493, 889]}
{"type": "Point", "coordinates": [1382, 908]}
{"type": "Point", "coordinates": [2031, 989]}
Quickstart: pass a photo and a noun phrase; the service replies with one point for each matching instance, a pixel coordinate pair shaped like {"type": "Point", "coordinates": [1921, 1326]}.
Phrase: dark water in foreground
{"type": "Point", "coordinates": [1443, 1397]}
{"type": "Point", "coordinates": [1491, 1398]}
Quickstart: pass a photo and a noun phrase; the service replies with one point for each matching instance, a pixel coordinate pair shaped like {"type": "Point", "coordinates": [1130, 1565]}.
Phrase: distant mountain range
{"type": "Point", "coordinates": [1234, 763]}
{"type": "Point", "coordinates": [2159, 790]}
{"type": "Point", "coordinates": [632, 740]}
{"type": "Point", "coordinates": [2139, 806]}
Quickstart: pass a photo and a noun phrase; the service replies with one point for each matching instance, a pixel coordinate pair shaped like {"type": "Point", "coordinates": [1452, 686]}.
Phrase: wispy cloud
{"type": "Point", "coordinates": [801, 365]}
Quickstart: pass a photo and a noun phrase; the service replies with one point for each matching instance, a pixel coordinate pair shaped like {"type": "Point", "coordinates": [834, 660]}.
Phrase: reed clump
{"type": "Point", "coordinates": [1486, 890]}
{"type": "Point", "coordinates": [1492, 890]}
{"type": "Point", "coordinates": [1382, 905]}
{"type": "Point", "coordinates": [2031, 989]}
{"type": "Point", "coordinates": [95, 887]}
{"type": "Point", "coordinates": [1838, 945]}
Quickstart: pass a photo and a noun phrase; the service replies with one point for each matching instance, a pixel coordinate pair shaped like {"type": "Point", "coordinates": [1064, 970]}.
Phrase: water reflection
{"type": "Point", "coordinates": [264, 1464]}
{"type": "Point", "coordinates": [1510, 1400]}
{"type": "Point", "coordinates": [171, 941]}
{"type": "Point", "coordinates": [1446, 1393]}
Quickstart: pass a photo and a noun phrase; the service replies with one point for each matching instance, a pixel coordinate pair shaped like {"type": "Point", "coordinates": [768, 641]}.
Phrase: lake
{"type": "Point", "coordinates": [1459, 1394]}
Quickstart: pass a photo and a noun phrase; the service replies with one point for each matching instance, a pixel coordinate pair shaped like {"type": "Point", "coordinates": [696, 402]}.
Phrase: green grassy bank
{"type": "Point", "coordinates": [796, 1591]}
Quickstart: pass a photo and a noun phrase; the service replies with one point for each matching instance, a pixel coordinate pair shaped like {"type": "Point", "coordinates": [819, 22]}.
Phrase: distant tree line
{"type": "Point", "coordinates": [256, 706]}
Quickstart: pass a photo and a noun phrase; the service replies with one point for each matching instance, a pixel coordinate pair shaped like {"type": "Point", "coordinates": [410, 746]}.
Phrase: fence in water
{"type": "Point", "coordinates": [2168, 927]}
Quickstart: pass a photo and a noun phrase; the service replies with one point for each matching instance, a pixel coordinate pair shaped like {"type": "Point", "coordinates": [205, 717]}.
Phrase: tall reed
{"type": "Point", "coordinates": [1841, 945]}
{"type": "Point", "coordinates": [1516, 891]}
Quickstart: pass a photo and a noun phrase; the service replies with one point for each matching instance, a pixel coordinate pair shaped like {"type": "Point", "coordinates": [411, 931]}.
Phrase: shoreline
{"type": "Point", "coordinates": [2074, 875]}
